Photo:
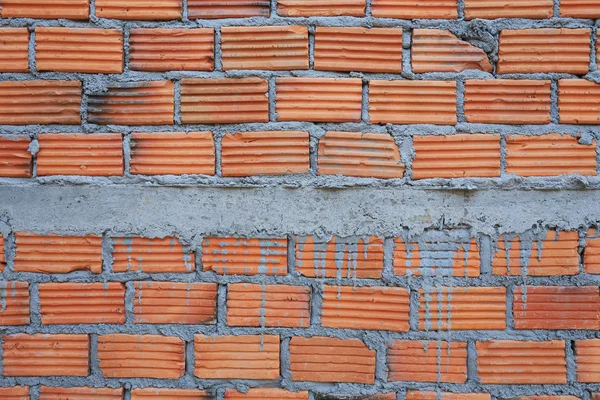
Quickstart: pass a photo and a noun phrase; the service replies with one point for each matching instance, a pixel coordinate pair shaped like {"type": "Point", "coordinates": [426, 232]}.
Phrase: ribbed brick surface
{"type": "Point", "coordinates": [325, 8]}
{"type": "Point", "coordinates": [578, 102]}
{"type": "Point", "coordinates": [413, 9]}
{"type": "Point", "coordinates": [586, 355]}
{"type": "Point", "coordinates": [229, 256]}
{"type": "Point", "coordinates": [491, 9]}
{"type": "Point", "coordinates": [228, 9]}
{"type": "Point", "coordinates": [591, 258]}
{"type": "Point", "coordinates": [259, 393]}
{"type": "Point", "coordinates": [14, 303]}
{"type": "Point", "coordinates": [79, 393]}
{"type": "Point", "coordinates": [579, 9]}
{"type": "Point", "coordinates": [136, 254]}
{"type": "Point", "coordinates": [15, 159]}
{"type": "Point", "coordinates": [15, 393]}
{"type": "Point", "coordinates": [14, 44]}
{"type": "Point", "coordinates": [71, 9]}
{"type": "Point", "coordinates": [170, 394]}
{"type": "Point", "coordinates": [135, 9]}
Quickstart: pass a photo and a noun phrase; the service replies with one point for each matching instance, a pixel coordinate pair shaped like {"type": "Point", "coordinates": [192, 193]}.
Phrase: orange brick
{"type": "Point", "coordinates": [556, 255]}
{"type": "Point", "coordinates": [325, 359]}
{"type": "Point", "coordinates": [578, 102]}
{"type": "Point", "coordinates": [238, 256]}
{"type": "Point", "coordinates": [588, 363]}
{"type": "Point", "coordinates": [45, 355]}
{"type": "Point", "coordinates": [224, 100]}
{"type": "Point", "coordinates": [544, 50]}
{"type": "Point", "coordinates": [176, 153]}
{"type": "Point", "coordinates": [339, 257]}
{"type": "Point", "coordinates": [556, 307]}
{"type": "Point", "coordinates": [2, 258]}
{"type": "Point", "coordinates": [137, 254]}
{"type": "Point", "coordinates": [416, 395]}
{"type": "Point", "coordinates": [549, 155]}
{"type": "Point", "coordinates": [380, 308]}
{"type": "Point", "coordinates": [80, 393]}
{"type": "Point", "coordinates": [435, 50]}
{"type": "Point", "coordinates": [15, 393]}
{"type": "Point", "coordinates": [171, 49]}
{"type": "Point", "coordinates": [40, 102]}
{"type": "Point", "coordinates": [358, 49]}
{"type": "Point", "coordinates": [264, 47]}
{"type": "Point", "coordinates": [52, 254]}
{"type": "Point", "coordinates": [237, 357]}
{"type": "Point", "coordinates": [265, 153]}
{"type": "Point", "coordinates": [133, 103]}
{"type": "Point", "coordinates": [82, 303]}
{"type": "Point", "coordinates": [359, 154]}
{"type": "Point", "coordinates": [14, 303]}
{"type": "Point", "coordinates": [412, 102]}
{"type": "Point", "coordinates": [427, 361]}
{"type": "Point", "coordinates": [80, 154]}
{"type": "Point", "coordinates": [228, 8]}
{"type": "Point", "coordinates": [141, 356]}
{"type": "Point", "coordinates": [260, 393]}
{"type": "Point", "coordinates": [591, 254]}
{"type": "Point", "coordinates": [456, 156]}
{"type": "Point", "coordinates": [321, 8]}
{"type": "Point", "coordinates": [134, 9]}
{"type": "Point", "coordinates": [579, 9]}
{"type": "Point", "coordinates": [492, 9]}
{"type": "Point", "coordinates": [319, 99]}
{"type": "Point", "coordinates": [506, 101]}
{"type": "Point", "coordinates": [15, 159]}
{"type": "Point", "coordinates": [79, 50]}
{"type": "Point", "coordinates": [14, 47]}
{"type": "Point", "coordinates": [415, 9]}
{"type": "Point", "coordinates": [70, 9]}
{"type": "Point", "coordinates": [268, 305]}
{"type": "Point", "coordinates": [521, 362]}
{"type": "Point", "coordinates": [170, 394]}
{"type": "Point", "coordinates": [175, 303]}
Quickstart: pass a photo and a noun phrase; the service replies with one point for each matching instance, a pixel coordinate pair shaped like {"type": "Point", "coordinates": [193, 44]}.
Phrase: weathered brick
{"type": "Point", "coordinates": [15, 159]}
{"type": "Point", "coordinates": [15, 393]}
{"type": "Point", "coordinates": [325, 359]}
{"type": "Point", "coordinates": [14, 303]}
{"type": "Point", "coordinates": [70, 9]}
{"type": "Point", "coordinates": [578, 102]}
{"type": "Point", "coordinates": [545, 397]}
{"type": "Point", "coordinates": [228, 8]}
{"type": "Point", "coordinates": [586, 358]}
{"type": "Point", "coordinates": [579, 9]}
{"type": "Point", "coordinates": [521, 362]}
{"type": "Point", "coordinates": [417, 395]}
{"type": "Point", "coordinates": [14, 47]}
{"type": "Point", "coordinates": [141, 356]}
{"type": "Point", "coordinates": [79, 393]}
{"type": "Point", "coordinates": [170, 394]}
{"type": "Point", "coordinates": [2, 256]}
{"type": "Point", "coordinates": [134, 9]}
{"type": "Point", "coordinates": [321, 8]}
{"type": "Point", "coordinates": [491, 9]}
{"type": "Point", "coordinates": [260, 393]}
{"type": "Point", "coordinates": [237, 357]}
{"type": "Point", "coordinates": [591, 254]}
{"type": "Point", "coordinates": [138, 254]}
{"type": "Point", "coordinates": [415, 9]}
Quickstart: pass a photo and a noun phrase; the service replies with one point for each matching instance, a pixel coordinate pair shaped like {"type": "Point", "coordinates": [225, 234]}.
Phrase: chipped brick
{"type": "Point", "coordinates": [14, 303]}
{"type": "Point", "coordinates": [138, 254]}
{"type": "Point", "coordinates": [15, 159]}
{"type": "Point", "coordinates": [14, 45]}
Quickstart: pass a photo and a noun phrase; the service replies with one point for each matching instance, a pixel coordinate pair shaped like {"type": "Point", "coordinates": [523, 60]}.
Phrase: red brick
{"type": "Point", "coordinates": [80, 393]}
{"type": "Point", "coordinates": [268, 305]}
{"type": "Point", "coordinates": [505, 101]}
{"type": "Point", "coordinates": [578, 102]}
{"type": "Point", "coordinates": [133, 9]}
{"type": "Point", "coordinates": [137, 254]}
{"type": "Point", "coordinates": [358, 49]}
{"type": "Point", "coordinates": [79, 50]}
{"type": "Point", "coordinates": [544, 50]}
{"type": "Point", "coordinates": [521, 362]}
{"type": "Point", "coordinates": [15, 159]}
{"type": "Point", "coordinates": [237, 357]}
{"type": "Point", "coordinates": [265, 153]}
{"type": "Point", "coordinates": [321, 8]}
{"type": "Point", "coordinates": [588, 362]}
{"type": "Point", "coordinates": [491, 9]}
{"type": "Point", "coordinates": [579, 9]}
{"type": "Point", "coordinates": [175, 303]}
{"type": "Point", "coordinates": [141, 356]}
{"type": "Point", "coordinates": [14, 47]}
{"type": "Point", "coordinates": [224, 100]}
{"type": "Point", "coordinates": [377, 308]}
{"type": "Point", "coordinates": [264, 47]}
{"type": "Point", "coordinates": [40, 102]}
{"type": "Point", "coordinates": [415, 9]}
{"type": "Point", "coordinates": [427, 361]}
{"type": "Point", "coordinates": [69, 9]}
{"type": "Point", "coordinates": [325, 359]}
{"type": "Point", "coordinates": [416, 395]}
{"type": "Point", "coordinates": [14, 303]}
{"type": "Point", "coordinates": [591, 254]}
{"type": "Point", "coordinates": [52, 254]}
{"type": "Point", "coordinates": [170, 394]}
{"type": "Point", "coordinates": [240, 256]}
{"type": "Point", "coordinates": [435, 50]}
{"type": "Point", "coordinates": [339, 257]}
{"type": "Point", "coordinates": [260, 393]}
{"type": "Point", "coordinates": [412, 102]}
{"type": "Point", "coordinates": [80, 154]}
{"type": "Point", "coordinates": [14, 393]}
{"type": "Point", "coordinates": [45, 355]}
{"type": "Point", "coordinates": [154, 49]}
{"type": "Point", "coordinates": [228, 8]}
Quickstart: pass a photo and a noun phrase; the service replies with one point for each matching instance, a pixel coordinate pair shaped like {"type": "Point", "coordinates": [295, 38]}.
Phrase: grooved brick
{"type": "Point", "coordinates": [427, 361]}
{"type": "Point", "coordinates": [82, 303]}
{"type": "Point", "coordinates": [224, 100]}
{"type": "Point", "coordinates": [435, 50]}
{"type": "Point", "coordinates": [491, 9]}
{"type": "Point", "coordinates": [133, 103]}
{"type": "Point", "coordinates": [339, 257]}
{"type": "Point", "coordinates": [265, 153]}
{"type": "Point", "coordinates": [321, 8]}
{"type": "Point", "coordinates": [591, 254]}
{"type": "Point", "coordinates": [141, 356]}
{"type": "Point", "coordinates": [237, 357]}
{"type": "Point", "coordinates": [578, 102]}
{"type": "Point", "coordinates": [140, 254]}
{"type": "Point", "coordinates": [325, 359]}
{"type": "Point", "coordinates": [80, 154]}
{"type": "Point", "coordinates": [40, 102]}
{"type": "Point", "coordinates": [507, 101]}
{"type": "Point", "coordinates": [228, 8]}
{"type": "Point", "coordinates": [379, 308]}
{"type": "Point", "coordinates": [358, 49]}
{"type": "Point", "coordinates": [52, 254]}
{"type": "Point", "coordinates": [15, 393]}
{"type": "Point", "coordinates": [264, 47]}
{"type": "Point", "coordinates": [586, 358]}
{"type": "Point", "coordinates": [549, 155]}
{"type": "Point", "coordinates": [79, 393]}
{"type": "Point", "coordinates": [418, 395]}
{"type": "Point", "coordinates": [359, 154]}
{"type": "Point", "coordinates": [319, 99]}
{"type": "Point", "coordinates": [170, 394]}
{"type": "Point", "coordinates": [136, 9]}
{"type": "Point", "coordinates": [415, 9]}
{"type": "Point", "coordinates": [14, 303]}
{"type": "Point", "coordinates": [155, 49]}
{"type": "Point", "coordinates": [412, 102]}
{"type": "Point", "coordinates": [260, 393]}
{"type": "Point", "coordinates": [14, 47]}
{"type": "Point", "coordinates": [79, 50]}
{"type": "Point", "coordinates": [172, 153]}
{"type": "Point", "coordinates": [15, 159]}
{"type": "Point", "coordinates": [175, 303]}
{"type": "Point", "coordinates": [579, 9]}
{"type": "Point", "coordinates": [544, 50]}
{"type": "Point", "coordinates": [70, 9]}
{"type": "Point", "coordinates": [45, 355]}
{"type": "Point", "coordinates": [268, 305]}
{"type": "Point", "coordinates": [521, 362]}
